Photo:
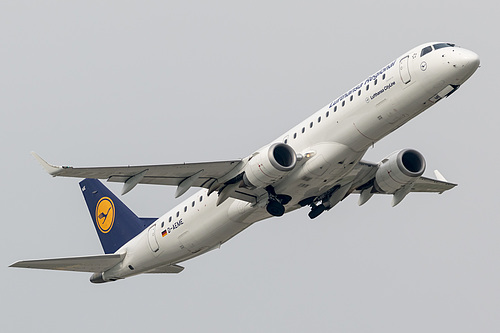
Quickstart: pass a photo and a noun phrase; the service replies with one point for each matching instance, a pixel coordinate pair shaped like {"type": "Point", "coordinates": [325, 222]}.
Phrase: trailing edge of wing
{"type": "Point", "coordinates": [91, 264]}
{"type": "Point", "coordinates": [165, 174]}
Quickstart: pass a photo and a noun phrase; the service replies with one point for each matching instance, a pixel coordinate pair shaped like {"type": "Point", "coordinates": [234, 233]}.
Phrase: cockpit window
{"type": "Point", "coordinates": [442, 45]}
{"type": "Point", "coordinates": [429, 49]}
{"type": "Point", "coordinates": [426, 50]}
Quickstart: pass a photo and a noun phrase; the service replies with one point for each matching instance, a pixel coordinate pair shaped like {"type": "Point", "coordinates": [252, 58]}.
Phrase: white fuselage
{"type": "Point", "coordinates": [332, 141]}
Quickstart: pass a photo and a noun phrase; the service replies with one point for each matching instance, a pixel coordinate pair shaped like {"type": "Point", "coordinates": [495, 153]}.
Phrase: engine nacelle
{"type": "Point", "coordinates": [399, 169]}
{"type": "Point", "coordinates": [269, 165]}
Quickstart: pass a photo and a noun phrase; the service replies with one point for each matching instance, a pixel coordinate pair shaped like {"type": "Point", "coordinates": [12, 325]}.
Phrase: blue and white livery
{"type": "Point", "coordinates": [316, 164]}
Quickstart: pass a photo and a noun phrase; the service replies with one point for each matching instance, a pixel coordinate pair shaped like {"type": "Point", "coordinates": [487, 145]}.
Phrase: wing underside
{"type": "Point", "coordinates": [219, 176]}
{"type": "Point", "coordinates": [365, 171]}
{"type": "Point", "coordinates": [184, 176]}
{"type": "Point", "coordinates": [424, 184]}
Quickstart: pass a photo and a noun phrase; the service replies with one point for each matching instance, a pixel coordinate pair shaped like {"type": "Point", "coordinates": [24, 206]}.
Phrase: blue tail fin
{"type": "Point", "coordinates": [114, 222]}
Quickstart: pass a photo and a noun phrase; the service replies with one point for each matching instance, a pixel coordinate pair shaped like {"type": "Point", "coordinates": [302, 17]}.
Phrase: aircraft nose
{"type": "Point", "coordinates": [474, 61]}
{"type": "Point", "coordinates": [467, 62]}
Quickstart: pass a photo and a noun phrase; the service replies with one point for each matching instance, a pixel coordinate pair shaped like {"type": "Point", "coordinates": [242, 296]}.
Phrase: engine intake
{"type": "Point", "coordinates": [399, 169]}
{"type": "Point", "coordinates": [269, 165]}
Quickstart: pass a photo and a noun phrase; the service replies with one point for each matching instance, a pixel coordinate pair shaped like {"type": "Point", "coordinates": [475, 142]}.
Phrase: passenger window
{"type": "Point", "coordinates": [170, 219]}
{"type": "Point", "coordinates": [303, 129]}
{"type": "Point", "coordinates": [295, 135]}
{"type": "Point", "coordinates": [375, 83]}
{"type": "Point", "coordinates": [201, 198]}
{"type": "Point", "coordinates": [319, 119]}
{"type": "Point", "coordinates": [343, 103]}
{"type": "Point", "coordinates": [383, 77]}
{"type": "Point", "coordinates": [359, 93]}
{"type": "Point", "coordinates": [192, 205]}
{"type": "Point", "coordinates": [162, 224]}
{"type": "Point", "coordinates": [335, 108]}
{"type": "Point", "coordinates": [367, 87]}
{"type": "Point", "coordinates": [177, 214]}
{"type": "Point", "coordinates": [311, 124]}
{"type": "Point", "coordinates": [327, 113]}
{"type": "Point", "coordinates": [426, 50]}
{"type": "Point", "coordinates": [351, 97]}
{"type": "Point", "coordinates": [185, 209]}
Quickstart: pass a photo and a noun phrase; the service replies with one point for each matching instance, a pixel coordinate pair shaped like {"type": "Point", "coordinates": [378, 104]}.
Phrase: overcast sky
{"type": "Point", "coordinates": [91, 83]}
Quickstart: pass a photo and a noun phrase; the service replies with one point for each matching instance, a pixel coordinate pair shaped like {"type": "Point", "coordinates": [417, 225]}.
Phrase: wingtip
{"type": "Point", "coordinates": [18, 264]}
{"type": "Point", "coordinates": [51, 169]}
{"type": "Point", "coordinates": [439, 176]}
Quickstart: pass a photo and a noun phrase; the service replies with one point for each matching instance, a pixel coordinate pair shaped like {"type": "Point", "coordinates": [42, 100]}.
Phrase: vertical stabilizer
{"type": "Point", "coordinates": [114, 222]}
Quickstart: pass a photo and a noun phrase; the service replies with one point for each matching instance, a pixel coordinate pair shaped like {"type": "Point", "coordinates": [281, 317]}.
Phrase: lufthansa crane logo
{"type": "Point", "coordinates": [105, 214]}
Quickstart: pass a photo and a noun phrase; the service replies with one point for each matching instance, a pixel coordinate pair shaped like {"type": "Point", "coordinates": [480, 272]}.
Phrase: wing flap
{"type": "Point", "coordinates": [91, 264]}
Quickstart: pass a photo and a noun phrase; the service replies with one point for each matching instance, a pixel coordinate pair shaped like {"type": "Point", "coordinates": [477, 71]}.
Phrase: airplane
{"type": "Point", "coordinates": [316, 164]}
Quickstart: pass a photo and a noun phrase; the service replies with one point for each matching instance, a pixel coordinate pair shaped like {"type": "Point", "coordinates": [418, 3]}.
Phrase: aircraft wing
{"type": "Point", "coordinates": [362, 177]}
{"type": "Point", "coordinates": [91, 264]}
{"type": "Point", "coordinates": [424, 184]}
{"type": "Point", "coordinates": [183, 175]}
{"type": "Point", "coordinates": [365, 171]}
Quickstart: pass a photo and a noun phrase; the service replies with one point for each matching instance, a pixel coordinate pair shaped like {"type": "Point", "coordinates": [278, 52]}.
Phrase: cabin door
{"type": "Point", "coordinates": [153, 243]}
{"type": "Point", "coordinates": [404, 70]}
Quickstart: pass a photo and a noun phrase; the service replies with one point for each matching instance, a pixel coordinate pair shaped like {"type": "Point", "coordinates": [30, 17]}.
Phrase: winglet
{"type": "Point", "coordinates": [51, 169]}
{"type": "Point", "coordinates": [439, 176]}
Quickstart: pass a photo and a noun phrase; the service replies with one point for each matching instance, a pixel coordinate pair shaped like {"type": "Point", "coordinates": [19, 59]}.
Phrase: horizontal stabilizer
{"type": "Point", "coordinates": [91, 264]}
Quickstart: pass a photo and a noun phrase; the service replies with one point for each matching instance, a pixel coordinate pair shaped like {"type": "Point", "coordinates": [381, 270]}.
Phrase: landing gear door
{"type": "Point", "coordinates": [404, 70]}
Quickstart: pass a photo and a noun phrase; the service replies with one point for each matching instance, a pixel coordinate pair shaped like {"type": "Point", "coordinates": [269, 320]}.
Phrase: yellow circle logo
{"type": "Point", "coordinates": [105, 214]}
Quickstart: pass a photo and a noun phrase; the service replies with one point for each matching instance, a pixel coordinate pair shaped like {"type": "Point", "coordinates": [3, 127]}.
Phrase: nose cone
{"type": "Point", "coordinates": [474, 61]}
{"type": "Point", "coordinates": [467, 62]}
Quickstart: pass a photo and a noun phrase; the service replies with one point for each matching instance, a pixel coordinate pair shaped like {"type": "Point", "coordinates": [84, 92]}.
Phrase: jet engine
{"type": "Point", "coordinates": [268, 165]}
{"type": "Point", "coordinates": [399, 169]}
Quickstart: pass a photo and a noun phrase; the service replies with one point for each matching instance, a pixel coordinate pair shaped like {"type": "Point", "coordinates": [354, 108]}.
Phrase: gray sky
{"type": "Point", "coordinates": [134, 82]}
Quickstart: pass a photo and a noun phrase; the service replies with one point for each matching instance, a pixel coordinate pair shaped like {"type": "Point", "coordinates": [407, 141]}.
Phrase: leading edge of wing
{"type": "Point", "coordinates": [90, 264]}
{"type": "Point", "coordinates": [162, 174]}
